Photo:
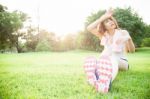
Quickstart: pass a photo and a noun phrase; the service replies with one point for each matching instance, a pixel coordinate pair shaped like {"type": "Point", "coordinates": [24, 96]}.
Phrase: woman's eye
{"type": "Point", "coordinates": [106, 21]}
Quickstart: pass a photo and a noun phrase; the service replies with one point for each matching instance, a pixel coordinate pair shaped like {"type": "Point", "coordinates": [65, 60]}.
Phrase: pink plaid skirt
{"type": "Point", "coordinates": [99, 72]}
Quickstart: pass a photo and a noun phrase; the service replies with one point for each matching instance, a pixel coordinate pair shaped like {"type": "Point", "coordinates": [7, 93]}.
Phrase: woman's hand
{"type": "Point", "coordinates": [93, 27]}
{"type": "Point", "coordinates": [108, 14]}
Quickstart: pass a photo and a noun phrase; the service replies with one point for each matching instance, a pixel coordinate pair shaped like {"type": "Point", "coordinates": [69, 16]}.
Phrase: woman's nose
{"type": "Point", "coordinates": [110, 21]}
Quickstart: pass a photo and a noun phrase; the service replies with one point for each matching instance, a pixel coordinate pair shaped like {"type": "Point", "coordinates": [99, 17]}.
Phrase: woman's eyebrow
{"type": "Point", "coordinates": [106, 20]}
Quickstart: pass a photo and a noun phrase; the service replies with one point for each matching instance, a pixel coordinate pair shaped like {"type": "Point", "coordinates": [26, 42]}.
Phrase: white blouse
{"type": "Point", "coordinates": [113, 49]}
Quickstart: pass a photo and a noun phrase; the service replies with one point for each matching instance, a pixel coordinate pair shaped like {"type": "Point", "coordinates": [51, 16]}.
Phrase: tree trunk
{"type": "Point", "coordinates": [19, 49]}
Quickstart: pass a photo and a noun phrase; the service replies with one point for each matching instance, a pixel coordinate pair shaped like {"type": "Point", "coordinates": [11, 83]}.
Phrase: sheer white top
{"type": "Point", "coordinates": [113, 49]}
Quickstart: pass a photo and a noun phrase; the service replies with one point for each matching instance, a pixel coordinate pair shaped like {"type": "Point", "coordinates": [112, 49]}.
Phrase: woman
{"type": "Point", "coordinates": [100, 73]}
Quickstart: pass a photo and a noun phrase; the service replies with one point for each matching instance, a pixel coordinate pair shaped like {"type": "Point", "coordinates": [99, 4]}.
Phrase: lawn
{"type": "Point", "coordinates": [60, 75]}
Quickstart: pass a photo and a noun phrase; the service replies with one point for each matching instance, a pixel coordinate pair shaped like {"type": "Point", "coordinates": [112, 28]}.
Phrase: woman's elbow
{"type": "Point", "coordinates": [131, 46]}
{"type": "Point", "coordinates": [132, 49]}
{"type": "Point", "coordinates": [89, 28]}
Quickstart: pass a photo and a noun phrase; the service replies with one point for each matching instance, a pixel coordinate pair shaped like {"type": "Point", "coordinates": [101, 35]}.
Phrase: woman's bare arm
{"type": "Point", "coordinates": [93, 27]}
{"type": "Point", "coordinates": [130, 46]}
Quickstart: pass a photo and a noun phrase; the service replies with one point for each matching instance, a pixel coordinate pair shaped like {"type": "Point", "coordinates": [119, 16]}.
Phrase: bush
{"type": "Point", "coordinates": [146, 42]}
{"type": "Point", "coordinates": [43, 46]}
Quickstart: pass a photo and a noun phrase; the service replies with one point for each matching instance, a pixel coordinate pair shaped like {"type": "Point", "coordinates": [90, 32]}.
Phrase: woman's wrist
{"type": "Point", "coordinates": [104, 17]}
{"type": "Point", "coordinates": [98, 21]}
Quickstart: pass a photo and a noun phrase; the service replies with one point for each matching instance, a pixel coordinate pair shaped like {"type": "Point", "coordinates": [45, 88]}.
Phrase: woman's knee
{"type": "Point", "coordinates": [90, 63]}
{"type": "Point", "coordinates": [123, 65]}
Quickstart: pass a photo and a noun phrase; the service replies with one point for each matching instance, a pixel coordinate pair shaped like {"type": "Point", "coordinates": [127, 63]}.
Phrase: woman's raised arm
{"type": "Point", "coordinates": [93, 27]}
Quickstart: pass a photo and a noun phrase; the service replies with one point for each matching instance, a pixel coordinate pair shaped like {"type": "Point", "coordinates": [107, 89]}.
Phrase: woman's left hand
{"type": "Point", "coordinates": [109, 12]}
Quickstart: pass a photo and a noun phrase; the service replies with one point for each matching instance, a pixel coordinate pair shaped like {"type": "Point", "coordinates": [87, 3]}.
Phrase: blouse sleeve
{"type": "Point", "coordinates": [126, 35]}
{"type": "Point", "coordinates": [123, 37]}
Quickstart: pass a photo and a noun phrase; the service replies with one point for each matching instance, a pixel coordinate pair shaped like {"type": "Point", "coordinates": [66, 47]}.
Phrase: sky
{"type": "Point", "coordinates": [68, 16]}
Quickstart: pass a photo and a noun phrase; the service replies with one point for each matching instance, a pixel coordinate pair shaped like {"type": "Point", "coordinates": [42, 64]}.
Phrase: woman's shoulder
{"type": "Point", "coordinates": [123, 31]}
{"type": "Point", "coordinates": [125, 34]}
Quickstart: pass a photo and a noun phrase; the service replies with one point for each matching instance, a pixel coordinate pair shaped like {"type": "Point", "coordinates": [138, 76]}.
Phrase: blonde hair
{"type": "Point", "coordinates": [101, 28]}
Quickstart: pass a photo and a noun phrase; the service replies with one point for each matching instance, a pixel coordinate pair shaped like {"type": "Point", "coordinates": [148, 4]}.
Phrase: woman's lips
{"type": "Point", "coordinates": [112, 24]}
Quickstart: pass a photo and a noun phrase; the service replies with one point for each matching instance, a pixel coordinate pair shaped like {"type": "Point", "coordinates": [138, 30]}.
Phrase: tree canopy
{"type": "Point", "coordinates": [10, 23]}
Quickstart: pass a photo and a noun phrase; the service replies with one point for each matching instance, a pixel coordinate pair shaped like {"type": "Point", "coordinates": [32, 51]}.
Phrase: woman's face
{"type": "Point", "coordinates": [109, 24]}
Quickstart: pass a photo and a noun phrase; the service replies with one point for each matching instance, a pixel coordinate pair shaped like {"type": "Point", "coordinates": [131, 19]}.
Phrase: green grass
{"type": "Point", "coordinates": [60, 75]}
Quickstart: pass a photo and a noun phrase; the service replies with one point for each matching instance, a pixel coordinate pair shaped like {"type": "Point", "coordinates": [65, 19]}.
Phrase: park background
{"type": "Point", "coordinates": [43, 45]}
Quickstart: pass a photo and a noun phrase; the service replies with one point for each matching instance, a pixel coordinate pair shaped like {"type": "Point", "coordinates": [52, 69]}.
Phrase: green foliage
{"type": "Point", "coordinates": [10, 23]}
{"type": "Point", "coordinates": [93, 17]}
{"type": "Point", "coordinates": [3, 8]}
{"type": "Point", "coordinates": [56, 43]}
{"type": "Point", "coordinates": [31, 39]}
{"type": "Point", "coordinates": [79, 40]}
{"type": "Point", "coordinates": [69, 42]}
{"type": "Point", "coordinates": [146, 42]}
{"type": "Point", "coordinates": [43, 46]}
{"type": "Point", "coordinates": [147, 32]}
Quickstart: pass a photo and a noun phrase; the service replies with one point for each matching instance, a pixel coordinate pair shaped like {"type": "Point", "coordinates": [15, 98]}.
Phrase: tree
{"type": "Point", "coordinates": [10, 23]}
{"type": "Point", "coordinates": [43, 46]}
{"type": "Point", "coordinates": [46, 38]}
{"type": "Point", "coordinates": [17, 23]}
{"type": "Point", "coordinates": [69, 42]}
{"type": "Point", "coordinates": [3, 24]}
{"type": "Point", "coordinates": [146, 42]}
{"type": "Point", "coordinates": [147, 31]}
{"type": "Point", "coordinates": [80, 40]}
{"type": "Point", "coordinates": [31, 38]}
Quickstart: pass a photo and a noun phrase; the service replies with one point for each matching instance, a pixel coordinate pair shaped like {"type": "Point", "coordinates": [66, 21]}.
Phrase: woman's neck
{"type": "Point", "coordinates": [111, 32]}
